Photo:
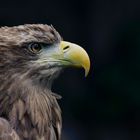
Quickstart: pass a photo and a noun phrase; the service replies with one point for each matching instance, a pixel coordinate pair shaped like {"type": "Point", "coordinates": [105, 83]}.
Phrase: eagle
{"type": "Point", "coordinates": [31, 57]}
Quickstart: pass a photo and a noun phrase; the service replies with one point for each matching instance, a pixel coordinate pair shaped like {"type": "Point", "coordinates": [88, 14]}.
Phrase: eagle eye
{"type": "Point", "coordinates": [35, 47]}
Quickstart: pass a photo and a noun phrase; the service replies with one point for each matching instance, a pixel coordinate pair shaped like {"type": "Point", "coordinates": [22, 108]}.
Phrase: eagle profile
{"type": "Point", "coordinates": [31, 57]}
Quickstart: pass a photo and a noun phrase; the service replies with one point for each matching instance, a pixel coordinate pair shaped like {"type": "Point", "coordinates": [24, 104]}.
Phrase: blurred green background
{"type": "Point", "coordinates": [106, 104]}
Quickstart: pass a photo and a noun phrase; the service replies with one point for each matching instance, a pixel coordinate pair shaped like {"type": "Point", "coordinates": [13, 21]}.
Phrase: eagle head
{"type": "Point", "coordinates": [38, 53]}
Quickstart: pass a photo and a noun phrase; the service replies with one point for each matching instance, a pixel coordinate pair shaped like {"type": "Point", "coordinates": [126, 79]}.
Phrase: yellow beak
{"type": "Point", "coordinates": [74, 55]}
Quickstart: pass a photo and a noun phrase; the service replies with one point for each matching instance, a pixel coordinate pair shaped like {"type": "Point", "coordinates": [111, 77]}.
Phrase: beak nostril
{"type": "Point", "coordinates": [66, 47]}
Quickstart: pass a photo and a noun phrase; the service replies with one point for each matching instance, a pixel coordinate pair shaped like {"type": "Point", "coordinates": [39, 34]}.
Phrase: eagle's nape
{"type": "Point", "coordinates": [31, 56]}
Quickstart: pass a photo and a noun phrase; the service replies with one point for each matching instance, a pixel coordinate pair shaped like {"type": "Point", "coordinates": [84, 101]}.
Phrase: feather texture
{"type": "Point", "coordinates": [28, 108]}
{"type": "Point", "coordinates": [6, 132]}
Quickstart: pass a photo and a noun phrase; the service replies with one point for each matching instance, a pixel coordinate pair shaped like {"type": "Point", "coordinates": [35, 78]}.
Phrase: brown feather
{"type": "Point", "coordinates": [26, 99]}
{"type": "Point", "coordinates": [6, 132]}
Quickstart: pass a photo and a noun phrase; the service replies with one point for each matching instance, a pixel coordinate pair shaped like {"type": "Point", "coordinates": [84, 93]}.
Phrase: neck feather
{"type": "Point", "coordinates": [30, 108]}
